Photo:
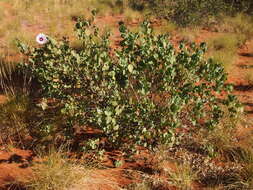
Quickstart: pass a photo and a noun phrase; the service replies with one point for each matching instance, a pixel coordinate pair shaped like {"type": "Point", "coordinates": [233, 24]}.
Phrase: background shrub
{"type": "Point", "coordinates": [194, 12]}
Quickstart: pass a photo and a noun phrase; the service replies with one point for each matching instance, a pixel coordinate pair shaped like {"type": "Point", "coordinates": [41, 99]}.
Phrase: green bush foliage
{"type": "Point", "coordinates": [136, 94]}
{"type": "Point", "coordinates": [194, 12]}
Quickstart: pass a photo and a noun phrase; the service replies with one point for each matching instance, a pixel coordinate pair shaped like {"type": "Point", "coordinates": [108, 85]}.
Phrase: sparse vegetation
{"type": "Point", "coordinates": [224, 49]}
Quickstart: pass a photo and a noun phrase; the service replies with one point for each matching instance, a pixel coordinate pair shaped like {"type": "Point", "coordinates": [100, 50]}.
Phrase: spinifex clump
{"type": "Point", "coordinates": [137, 95]}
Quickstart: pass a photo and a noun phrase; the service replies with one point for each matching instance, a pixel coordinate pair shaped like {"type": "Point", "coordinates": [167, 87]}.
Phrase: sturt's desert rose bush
{"type": "Point", "coordinates": [136, 94]}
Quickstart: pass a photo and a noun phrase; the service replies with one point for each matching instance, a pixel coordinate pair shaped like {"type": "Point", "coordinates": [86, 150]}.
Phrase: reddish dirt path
{"type": "Point", "coordinates": [241, 68]}
{"type": "Point", "coordinates": [14, 166]}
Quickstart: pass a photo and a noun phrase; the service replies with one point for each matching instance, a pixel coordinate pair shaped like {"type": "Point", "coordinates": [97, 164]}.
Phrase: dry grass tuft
{"type": "Point", "coordinates": [239, 24]}
{"type": "Point", "coordinates": [13, 126]}
{"type": "Point", "coordinates": [223, 49]}
{"type": "Point", "coordinates": [183, 176]}
{"type": "Point", "coordinates": [166, 27]}
{"type": "Point", "coordinates": [249, 77]}
{"type": "Point", "coordinates": [55, 171]}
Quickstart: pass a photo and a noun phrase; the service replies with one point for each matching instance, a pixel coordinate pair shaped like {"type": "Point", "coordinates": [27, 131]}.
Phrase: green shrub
{"type": "Point", "coordinates": [194, 12]}
{"type": "Point", "coordinates": [135, 95]}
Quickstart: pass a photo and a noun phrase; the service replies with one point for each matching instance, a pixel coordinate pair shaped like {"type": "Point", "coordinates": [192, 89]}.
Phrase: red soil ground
{"type": "Point", "coordinates": [14, 166]}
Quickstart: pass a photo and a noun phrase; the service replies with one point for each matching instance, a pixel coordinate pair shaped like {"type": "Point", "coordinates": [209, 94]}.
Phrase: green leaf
{"type": "Point", "coordinates": [116, 128]}
{"type": "Point", "coordinates": [130, 68]}
{"type": "Point", "coordinates": [108, 113]}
